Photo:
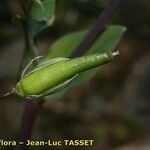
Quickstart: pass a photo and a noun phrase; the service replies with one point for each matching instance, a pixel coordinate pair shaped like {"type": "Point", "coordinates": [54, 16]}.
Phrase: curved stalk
{"type": "Point", "coordinates": [8, 94]}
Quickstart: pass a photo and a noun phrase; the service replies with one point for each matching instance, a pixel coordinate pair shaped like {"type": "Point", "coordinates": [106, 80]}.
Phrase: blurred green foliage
{"type": "Point", "coordinates": [40, 16]}
{"type": "Point", "coordinates": [116, 99]}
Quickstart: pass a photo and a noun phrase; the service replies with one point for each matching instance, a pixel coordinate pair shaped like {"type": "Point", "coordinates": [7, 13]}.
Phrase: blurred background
{"type": "Point", "coordinates": [112, 107]}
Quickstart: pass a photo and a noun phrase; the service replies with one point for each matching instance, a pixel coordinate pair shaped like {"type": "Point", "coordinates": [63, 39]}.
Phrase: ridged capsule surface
{"type": "Point", "coordinates": [54, 74]}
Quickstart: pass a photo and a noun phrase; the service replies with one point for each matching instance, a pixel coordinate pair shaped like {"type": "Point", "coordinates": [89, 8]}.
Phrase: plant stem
{"type": "Point", "coordinates": [29, 115]}
{"type": "Point", "coordinates": [29, 48]}
{"type": "Point", "coordinates": [8, 94]}
{"type": "Point", "coordinates": [26, 47]}
{"type": "Point", "coordinates": [31, 108]}
{"type": "Point", "coordinates": [97, 28]}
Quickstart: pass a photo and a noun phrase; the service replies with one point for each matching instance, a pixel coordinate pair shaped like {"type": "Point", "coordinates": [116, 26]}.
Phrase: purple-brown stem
{"type": "Point", "coordinates": [97, 28]}
{"type": "Point", "coordinates": [8, 94]}
{"type": "Point", "coordinates": [29, 115]}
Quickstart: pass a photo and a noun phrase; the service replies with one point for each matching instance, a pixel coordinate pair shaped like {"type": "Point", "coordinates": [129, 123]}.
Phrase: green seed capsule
{"type": "Point", "coordinates": [52, 76]}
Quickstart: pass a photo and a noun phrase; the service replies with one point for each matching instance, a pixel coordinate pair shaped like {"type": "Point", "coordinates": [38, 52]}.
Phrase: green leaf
{"type": "Point", "coordinates": [41, 15]}
{"type": "Point", "coordinates": [43, 10]}
{"type": "Point", "coordinates": [64, 46]}
{"type": "Point", "coordinates": [109, 39]}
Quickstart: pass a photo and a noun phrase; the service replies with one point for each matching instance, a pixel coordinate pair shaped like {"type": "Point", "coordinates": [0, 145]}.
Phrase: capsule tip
{"type": "Point", "coordinates": [116, 53]}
